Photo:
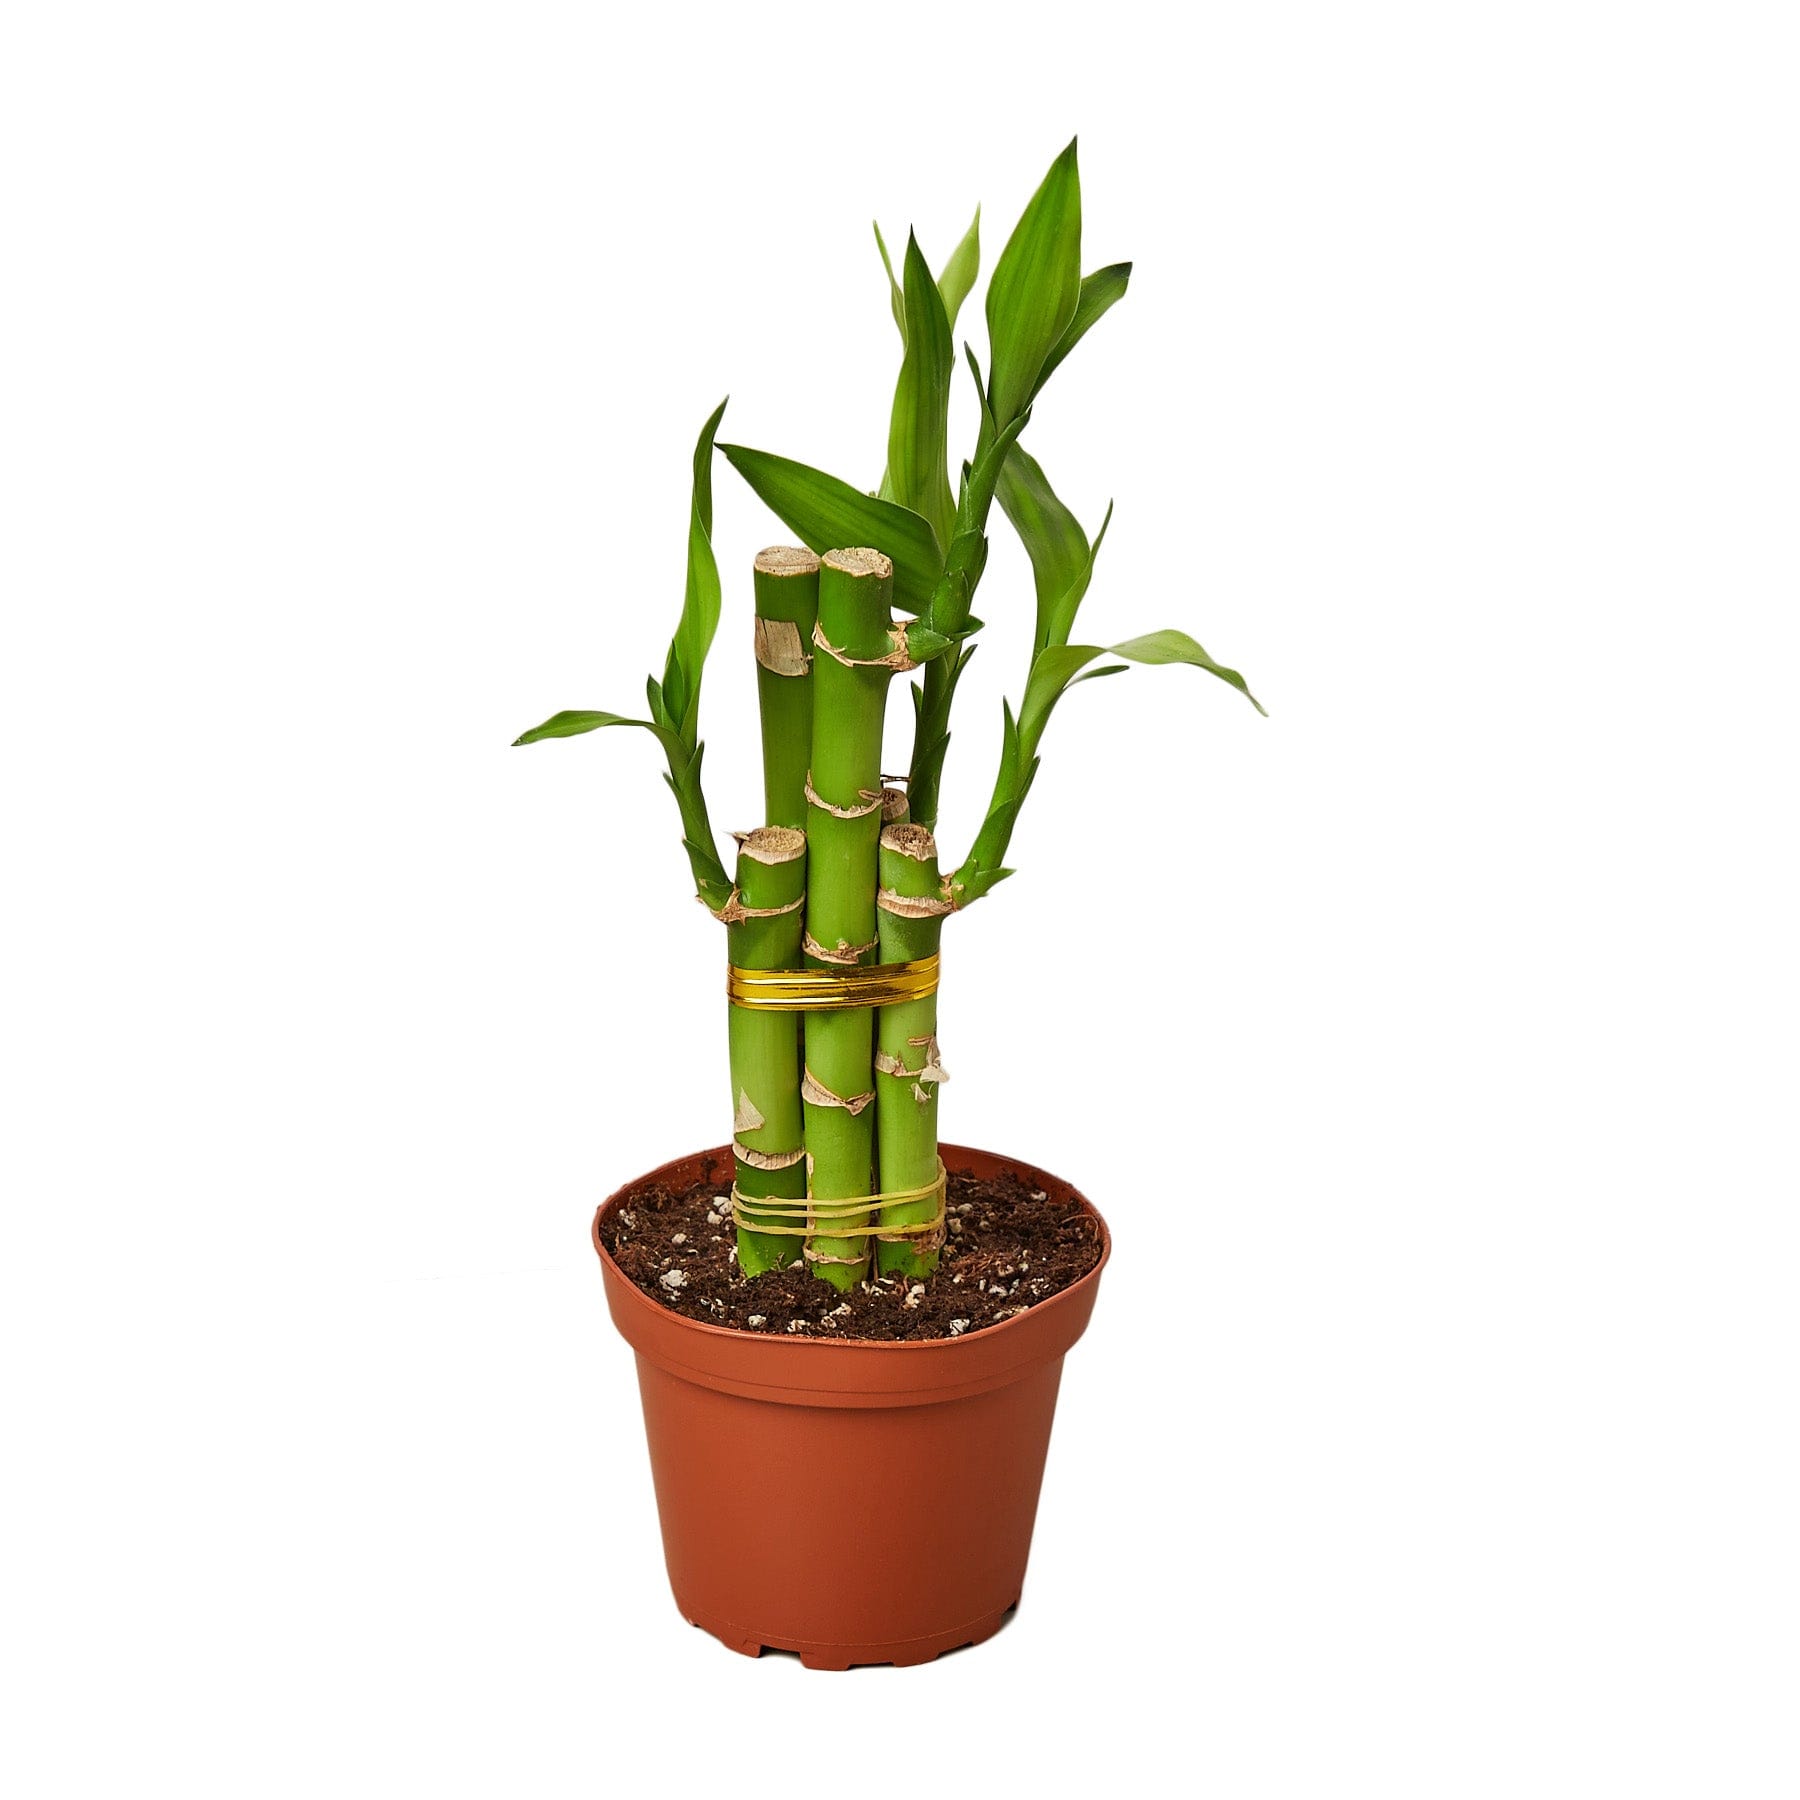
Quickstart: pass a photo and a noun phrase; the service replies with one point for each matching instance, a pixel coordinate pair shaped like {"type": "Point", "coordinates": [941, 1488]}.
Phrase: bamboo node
{"type": "Point", "coordinates": [766, 1159]}
{"type": "Point", "coordinates": [898, 660]}
{"type": "Point", "coordinates": [930, 1070]}
{"type": "Point", "coordinates": [815, 1093]}
{"type": "Point", "coordinates": [913, 906]}
{"type": "Point", "coordinates": [735, 912]}
{"type": "Point", "coordinates": [870, 802]}
{"type": "Point", "coordinates": [843, 953]}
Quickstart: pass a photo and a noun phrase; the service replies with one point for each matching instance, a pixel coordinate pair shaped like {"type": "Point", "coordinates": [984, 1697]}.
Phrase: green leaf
{"type": "Point", "coordinates": [1032, 298]}
{"type": "Point", "coordinates": [1095, 674]}
{"type": "Point", "coordinates": [1099, 291]}
{"type": "Point", "coordinates": [1054, 670]}
{"type": "Point", "coordinates": [918, 434]}
{"type": "Point", "coordinates": [979, 882]}
{"type": "Point", "coordinates": [959, 273]}
{"type": "Point", "coordinates": [574, 724]}
{"type": "Point", "coordinates": [984, 477]}
{"type": "Point", "coordinates": [828, 514]}
{"type": "Point", "coordinates": [924, 645]}
{"type": "Point", "coordinates": [989, 429]}
{"type": "Point", "coordinates": [711, 882]}
{"type": "Point", "coordinates": [700, 604]}
{"type": "Point", "coordinates": [990, 845]}
{"type": "Point", "coordinates": [927, 763]}
{"type": "Point", "coordinates": [896, 300]}
{"type": "Point", "coordinates": [1062, 561]}
{"type": "Point", "coordinates": [1062, 615]}
{"type": "Point", "coordinates": [1178, 647]}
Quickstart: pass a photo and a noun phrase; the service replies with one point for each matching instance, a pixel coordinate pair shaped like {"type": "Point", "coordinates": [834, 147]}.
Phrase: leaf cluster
{"type": "Point", "coordinates": [674, 701]}
{"type": "Point", "coordinates": [1039, 306]}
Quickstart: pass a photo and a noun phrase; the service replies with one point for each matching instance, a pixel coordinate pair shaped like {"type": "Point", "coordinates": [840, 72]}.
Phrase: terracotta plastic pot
{"type": "Point", "coordinates": [910, 1471]}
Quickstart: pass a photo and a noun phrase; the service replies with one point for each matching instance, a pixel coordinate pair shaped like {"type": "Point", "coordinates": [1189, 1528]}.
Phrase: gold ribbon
{"type": "Point", "coordinates": [837, 1218]}
{"type": "Point", "coordinates": [831, 990]}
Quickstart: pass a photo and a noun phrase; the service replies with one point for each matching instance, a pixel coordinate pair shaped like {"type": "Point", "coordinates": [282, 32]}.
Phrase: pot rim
{"type": "Point", "coordinates": [622, 1285]}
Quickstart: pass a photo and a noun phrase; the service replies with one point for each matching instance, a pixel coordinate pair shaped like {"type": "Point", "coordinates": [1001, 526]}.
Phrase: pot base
{"type": "Point", "coordinates": [905, 1654]}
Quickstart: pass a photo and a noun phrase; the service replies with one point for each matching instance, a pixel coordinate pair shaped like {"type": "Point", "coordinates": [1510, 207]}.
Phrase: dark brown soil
{"type": "Point", "coordinates": [1009, 1247]}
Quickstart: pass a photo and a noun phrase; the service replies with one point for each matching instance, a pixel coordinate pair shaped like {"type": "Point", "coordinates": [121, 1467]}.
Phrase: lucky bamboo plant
{"type": "Point", "coordinates": [835, 1073]}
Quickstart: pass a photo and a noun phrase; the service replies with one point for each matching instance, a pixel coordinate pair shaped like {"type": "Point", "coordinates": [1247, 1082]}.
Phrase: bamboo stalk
{"type": "Point", "coordinates": [787, 606]}
{"type": "Point", "coordinates": [911, 910]}
{"type": "Point", "coordinates": [763, 927]}
{"type": "Point", "coordinates": [849, 699]}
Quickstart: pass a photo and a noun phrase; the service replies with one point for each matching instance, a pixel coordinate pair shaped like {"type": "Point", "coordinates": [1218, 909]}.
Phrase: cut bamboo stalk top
{"type": "Point", "coordinates": [773, 844]}
{"type": "Point", "coordinates": [859, 560]}
{"type": "Point", "coordinates": [893, 806]}
{"type": "Point", "coordinates": [786, 559]}
{"type": "Point", "coordinates": [915, 841]}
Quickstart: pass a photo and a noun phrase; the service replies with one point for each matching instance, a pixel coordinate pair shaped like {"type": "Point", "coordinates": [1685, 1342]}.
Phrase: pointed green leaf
{"type": "Point", "coordinates": [828, 514]}
{"type": "Point", "coordinates": [1178, 647]}
{"type": "Point", "coordinates": [924, 645]}
{"type": "Point", "coordinates": [981, 881]}
{"type": "Point", "coordinates": [700, 604]}
{"type": "Point", "coordinates": [984, 477]}
{"type": "Point", "coordinates": [918, 434]}
{"type": "Point", "coordinates": [574, 724]}
{"type": "Point", "coordinates": [927, 768]}
{"type": "Point", "coordinates": [990, 429]}
{"type": "Point", "coordinates": [1036, 286]}
{"type": "Point", "coordinates": [963, 659]}
{"type": "Point", "coordinates": [710, 880]}
{"type": "Point", "coordinates": [1052, 537]}
{"type": "Point", "coordinates": [1061, 619]}
{"type": "Point", "coordinates": [959, 272]}
{"type": "Point", "coordinates": [996, 833]}
{"type": "Point", "coordinates": [896, 300]}
{"type": "Point", "coordinates": [1054, 670]}
{"type": "Point", "coordinates": [1099, 291]}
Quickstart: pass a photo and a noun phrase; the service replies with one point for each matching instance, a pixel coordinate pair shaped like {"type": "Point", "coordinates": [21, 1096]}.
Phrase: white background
{"type": "Point", "coordinates": [1430, 1044]}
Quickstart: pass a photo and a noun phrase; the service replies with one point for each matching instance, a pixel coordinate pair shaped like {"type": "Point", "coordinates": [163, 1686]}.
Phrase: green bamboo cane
{"type": "Point", "coordinates": [787, 606]}
{"type": "Point", "coordinates": [855, 651]}
{"type": "Point", "coordinates": [911, 908]}
{"type": "Point", "coordinates": [763, 926]}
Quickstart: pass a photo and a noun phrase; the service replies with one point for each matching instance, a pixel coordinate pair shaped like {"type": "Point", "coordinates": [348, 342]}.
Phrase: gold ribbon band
{"type": "Point", "coordinates": [831, 990]}
{"type": "Point", "coordinates": [775, 1216]}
